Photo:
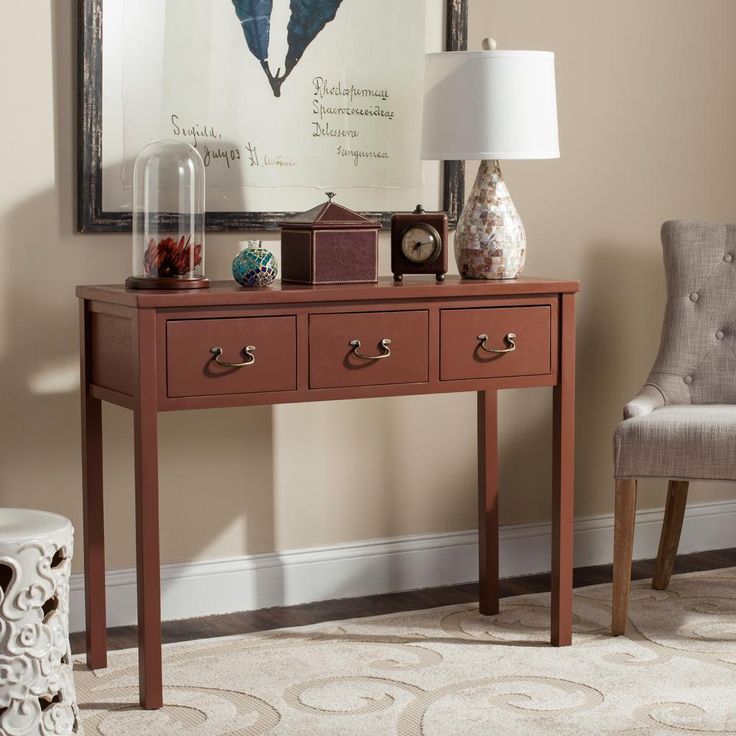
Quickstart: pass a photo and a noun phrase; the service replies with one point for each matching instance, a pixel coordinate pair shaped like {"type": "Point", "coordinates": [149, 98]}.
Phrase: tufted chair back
{"type": "Point", "coordinates": [696, 363]}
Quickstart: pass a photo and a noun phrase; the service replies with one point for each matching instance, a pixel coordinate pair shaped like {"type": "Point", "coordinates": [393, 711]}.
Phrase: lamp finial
{"type": "Point", "coordinates": [489, 44]}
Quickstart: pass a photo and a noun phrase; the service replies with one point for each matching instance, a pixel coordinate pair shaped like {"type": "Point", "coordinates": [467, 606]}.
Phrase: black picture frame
{"type": "Point", "coordinates": [92, 218]}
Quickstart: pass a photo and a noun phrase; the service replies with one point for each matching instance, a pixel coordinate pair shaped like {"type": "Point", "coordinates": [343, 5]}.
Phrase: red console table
{"type": "Point", "coordinates": [153, 351]}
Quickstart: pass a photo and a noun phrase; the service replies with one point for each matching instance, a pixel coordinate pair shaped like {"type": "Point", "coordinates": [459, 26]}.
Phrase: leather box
{"type": "Point", "coordinates": [329, 244]}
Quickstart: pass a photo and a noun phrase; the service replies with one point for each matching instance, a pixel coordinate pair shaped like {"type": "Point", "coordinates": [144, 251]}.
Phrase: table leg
{"type": "Point", "coordinates": [145, 421]}
{"type": "Point", "coordinates": [488, 502]}
{"type": "Point", "coordinates": [93, 518]}
{"type": "Point", "coordinates": [563, 478]}
{"type": "Point", "coordinates": [94, 533]}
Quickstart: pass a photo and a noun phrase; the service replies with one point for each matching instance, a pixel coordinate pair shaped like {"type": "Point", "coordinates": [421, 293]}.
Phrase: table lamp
{"type": "Point", "coordinates": [490, 105]}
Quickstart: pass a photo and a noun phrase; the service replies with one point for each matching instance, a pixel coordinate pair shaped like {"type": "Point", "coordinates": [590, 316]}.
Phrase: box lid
{"type": "Point", "coordinates": [329, 215]}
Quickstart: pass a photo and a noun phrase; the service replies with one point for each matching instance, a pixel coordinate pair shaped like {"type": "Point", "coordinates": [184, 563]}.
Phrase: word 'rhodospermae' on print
{"type": "Point", "coordinates": [308, 18]}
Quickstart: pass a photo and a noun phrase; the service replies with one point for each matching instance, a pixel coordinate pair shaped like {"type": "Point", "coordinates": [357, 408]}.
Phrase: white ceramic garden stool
{"type": "Point", "coordinates": [36, 685]}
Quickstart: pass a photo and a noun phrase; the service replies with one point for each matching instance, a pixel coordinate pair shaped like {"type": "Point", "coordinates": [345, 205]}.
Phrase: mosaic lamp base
{"type": "Point", "coordinates": [490, 242]}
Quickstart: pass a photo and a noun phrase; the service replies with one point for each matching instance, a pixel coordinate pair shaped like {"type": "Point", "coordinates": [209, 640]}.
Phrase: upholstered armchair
{"type": "Point", "coordinates": [682, 424]}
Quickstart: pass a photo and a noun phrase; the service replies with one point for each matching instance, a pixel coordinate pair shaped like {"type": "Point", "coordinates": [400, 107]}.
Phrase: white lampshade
{"type": "Point", "coordinates": [490, 105]}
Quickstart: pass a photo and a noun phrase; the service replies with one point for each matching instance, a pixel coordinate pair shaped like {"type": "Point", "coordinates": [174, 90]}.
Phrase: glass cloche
{"type": "Point", "coordinates": [168, 217]}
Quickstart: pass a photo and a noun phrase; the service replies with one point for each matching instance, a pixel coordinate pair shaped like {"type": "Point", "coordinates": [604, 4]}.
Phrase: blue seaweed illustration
{"type": "Point", "coordinates": [308, 18]}
{"type": "Point", "coordinates": [255, 20]}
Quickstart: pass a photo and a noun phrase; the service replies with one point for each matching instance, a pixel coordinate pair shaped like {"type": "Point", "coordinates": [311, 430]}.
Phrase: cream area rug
{"type": "Point", "coordinates": [448, 671]}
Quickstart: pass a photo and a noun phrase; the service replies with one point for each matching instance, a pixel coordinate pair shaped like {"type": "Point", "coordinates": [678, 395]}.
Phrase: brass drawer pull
{"type": "Point", "coordinates": [510, 340]}
{"type": "Point", "coordinates": [384, 345]}
{"type": "Point", "coordinates": [248, 354]}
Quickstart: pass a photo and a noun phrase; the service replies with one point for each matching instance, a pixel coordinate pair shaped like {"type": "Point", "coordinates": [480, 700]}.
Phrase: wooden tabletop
{"type": "Point", "coordinates": [228, 293]}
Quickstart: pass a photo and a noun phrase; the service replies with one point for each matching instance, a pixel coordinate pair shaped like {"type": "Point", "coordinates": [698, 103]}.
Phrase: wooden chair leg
{"type": "Point", "coordinates": [623, 548]}
{"type": "Point", "coordinates": [669, 541]}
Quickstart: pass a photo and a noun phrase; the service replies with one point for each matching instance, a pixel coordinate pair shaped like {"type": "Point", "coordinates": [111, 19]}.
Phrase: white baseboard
{"type": "Point", "coordinates": [386, 565]}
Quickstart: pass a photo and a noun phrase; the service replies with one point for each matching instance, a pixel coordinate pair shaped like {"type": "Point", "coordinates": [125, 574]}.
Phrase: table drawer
{"type": "Point", "coordinates": [191, 367]}
{"type": "Point", "coordinates": [335, 362]}
{"type": "Point", "coordinates": [462, 354]}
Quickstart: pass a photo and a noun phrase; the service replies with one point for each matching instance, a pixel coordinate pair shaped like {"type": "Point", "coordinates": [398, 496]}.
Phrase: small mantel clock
{"type": "Point", "coordinates": [419, 243]}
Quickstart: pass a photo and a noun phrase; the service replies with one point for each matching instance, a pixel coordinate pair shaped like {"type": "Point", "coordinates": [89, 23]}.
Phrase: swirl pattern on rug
{"type": "Point", "coordinates": [449, 670]}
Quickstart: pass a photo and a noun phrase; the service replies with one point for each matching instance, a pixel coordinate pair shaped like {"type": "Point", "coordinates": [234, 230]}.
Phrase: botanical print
{"type": "Point", "coordinates": [283, 99]}
{"type": "Point", "coordinates": [308, 18]}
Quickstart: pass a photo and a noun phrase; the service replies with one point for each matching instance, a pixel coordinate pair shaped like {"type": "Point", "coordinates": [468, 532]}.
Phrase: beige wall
{"type": "Point", "coordinates": [647, 109]}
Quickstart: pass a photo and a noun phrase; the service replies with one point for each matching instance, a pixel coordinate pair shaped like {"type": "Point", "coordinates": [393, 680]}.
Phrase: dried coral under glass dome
{"type": "Point", "coordinates": [168, 218]}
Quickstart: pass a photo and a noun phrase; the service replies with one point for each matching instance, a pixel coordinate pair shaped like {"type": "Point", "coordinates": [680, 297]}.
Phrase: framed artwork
{"type": "Point", "coordinates": [283, 99]}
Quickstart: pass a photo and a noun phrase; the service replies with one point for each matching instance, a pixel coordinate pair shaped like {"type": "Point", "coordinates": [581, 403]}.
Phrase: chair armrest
{"type": "Point", "coordinates": [645, 402]}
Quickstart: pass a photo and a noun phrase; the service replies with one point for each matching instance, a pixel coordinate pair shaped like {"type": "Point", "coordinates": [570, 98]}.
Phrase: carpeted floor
{"type": "Point", "coordinates": [448, 671]}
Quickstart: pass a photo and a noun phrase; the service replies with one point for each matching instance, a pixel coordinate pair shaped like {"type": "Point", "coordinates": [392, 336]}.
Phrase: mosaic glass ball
{"type": "Point", "coordinates": [255, 267]}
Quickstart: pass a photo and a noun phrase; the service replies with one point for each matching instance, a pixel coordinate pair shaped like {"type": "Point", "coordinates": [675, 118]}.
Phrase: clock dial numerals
{"type": "Point", "coordinates": [421, 243]}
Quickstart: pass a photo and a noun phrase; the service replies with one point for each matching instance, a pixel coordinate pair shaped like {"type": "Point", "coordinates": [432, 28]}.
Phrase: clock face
{"type": "Point", "coordinates": [421, 243]}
